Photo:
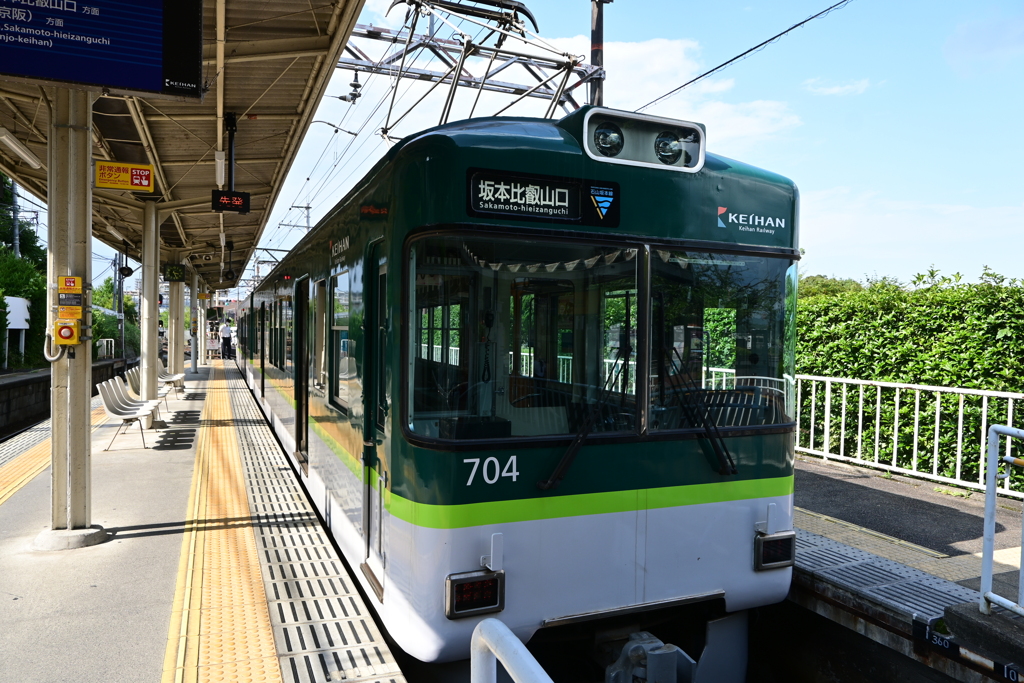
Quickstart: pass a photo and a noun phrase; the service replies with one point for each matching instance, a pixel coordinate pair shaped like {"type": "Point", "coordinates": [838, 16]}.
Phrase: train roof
{"type": "Point", "coordinates": [725, 201]}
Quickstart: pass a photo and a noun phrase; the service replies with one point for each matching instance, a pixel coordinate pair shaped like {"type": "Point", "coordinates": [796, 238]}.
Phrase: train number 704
{"type": "Point", "coordinates": [492, 470]}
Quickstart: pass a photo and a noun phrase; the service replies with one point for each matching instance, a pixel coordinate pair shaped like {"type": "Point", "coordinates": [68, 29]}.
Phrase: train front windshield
{"type": "Point", "coordinates": [516, 338]}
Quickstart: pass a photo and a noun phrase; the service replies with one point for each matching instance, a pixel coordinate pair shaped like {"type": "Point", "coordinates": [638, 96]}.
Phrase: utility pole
{"type": "Point", "coordinates": [597, 50]}
{"type": "Point", "coordinates": [15, 222]}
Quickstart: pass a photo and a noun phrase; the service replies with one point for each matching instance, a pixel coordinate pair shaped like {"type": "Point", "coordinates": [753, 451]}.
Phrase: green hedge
{"type": "Point", "coordinates": [947, 334]}
{"type": "Point", "coordinates": [944, 332]}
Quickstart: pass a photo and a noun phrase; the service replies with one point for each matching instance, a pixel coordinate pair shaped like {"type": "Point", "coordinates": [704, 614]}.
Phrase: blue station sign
{"type": "Point", "coordinates": [135, 46]}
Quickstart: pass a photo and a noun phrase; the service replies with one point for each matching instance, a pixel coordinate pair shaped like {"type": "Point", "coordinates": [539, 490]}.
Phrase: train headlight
{"type": "Point", "coordinates": [668, 147]}
{"type": "Point", "coordinates": [608, 139]}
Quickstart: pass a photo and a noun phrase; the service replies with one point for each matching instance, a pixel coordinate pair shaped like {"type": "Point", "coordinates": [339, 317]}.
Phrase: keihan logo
{"type": "Point", "coordinates": [603, 197]}
{"type": "Point", "coordinates": [749, 222]}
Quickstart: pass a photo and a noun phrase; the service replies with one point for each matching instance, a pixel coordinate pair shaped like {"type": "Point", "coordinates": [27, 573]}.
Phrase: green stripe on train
{"type": "Point", "coordinates": [524, 510]}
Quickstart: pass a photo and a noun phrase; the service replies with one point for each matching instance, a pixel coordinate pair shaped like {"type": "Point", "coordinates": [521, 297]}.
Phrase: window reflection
{"type": "Point", "coordinates": [509, 338]}
{"type": "Point", "coordinates": [521, 339]}
{"type": "Point", "coordinates": [719, 342]}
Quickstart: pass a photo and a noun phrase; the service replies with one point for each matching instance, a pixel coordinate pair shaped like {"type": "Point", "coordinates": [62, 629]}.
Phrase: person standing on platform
{"type": "Point", "coordinates": [225, 340]}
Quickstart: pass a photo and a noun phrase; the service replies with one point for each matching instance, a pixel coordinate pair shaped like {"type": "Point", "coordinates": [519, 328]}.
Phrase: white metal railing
{"type": "Point", "coordinates": [492, 642]}
{"type": "Point", "coordinates": [436, 353]}
{"type": "Point", "coordinates": [988, 597]}
{"type": "Point", "coordinates": [931, 432]}
{"type": "Point", "coordinates": [527, 369]}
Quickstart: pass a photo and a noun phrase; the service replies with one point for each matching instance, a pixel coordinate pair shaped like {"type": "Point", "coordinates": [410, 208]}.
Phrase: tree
{"type": "Point", "coordinates": [104, 296]}
{"type": "Point", "coordinates": [18, 277]}
{"type": "Point", "coordinates": [822, 285]}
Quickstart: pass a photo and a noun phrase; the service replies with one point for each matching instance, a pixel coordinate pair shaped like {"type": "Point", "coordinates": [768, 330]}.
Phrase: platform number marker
{"type": "Point", "coordinates": [492, 467]}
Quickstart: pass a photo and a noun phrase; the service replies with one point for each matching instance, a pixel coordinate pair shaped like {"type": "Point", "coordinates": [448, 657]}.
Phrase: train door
{"type": "Point", "coordinates": [263, 348]}
{"type": "Point", "coordinates": [375, 465]}
{"type": "Point", "coordinates": [300, 354]}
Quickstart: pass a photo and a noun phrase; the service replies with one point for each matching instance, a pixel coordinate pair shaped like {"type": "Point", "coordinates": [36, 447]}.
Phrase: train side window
{"type": "Point", "coordinates": [342, 368]}
{"type": "Point", "coordinates": [287, 330]}
{"type": "Point", "coordinates": [318, 366]}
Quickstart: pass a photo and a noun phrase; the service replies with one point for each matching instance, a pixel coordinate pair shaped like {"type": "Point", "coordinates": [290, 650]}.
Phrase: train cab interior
{"type": "Point", "coordinates": [516, 338]}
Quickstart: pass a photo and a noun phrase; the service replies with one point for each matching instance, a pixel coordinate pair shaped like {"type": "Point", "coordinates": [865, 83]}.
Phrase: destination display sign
{"type": "Point", "coordinates": [548, 199]}
{"type": "Point", "coordinates": [115, 175]}
{"type": "Point", "coordinates": [151, 47]}
{"type": "Point", "coordinates": [227, 200]}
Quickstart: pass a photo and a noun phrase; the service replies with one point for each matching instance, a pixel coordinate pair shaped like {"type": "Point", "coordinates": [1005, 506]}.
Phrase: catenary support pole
{"type": "Point", "coordinates": [70, 212]}
{"type": "Point", "coordinates": [150, 312]}
{"type": "Point", "coordinates": [16, 221]}
{"type": "Point", "coordinates": [193, 295]}
{"type": "Point", "coordinates": [597, 50]}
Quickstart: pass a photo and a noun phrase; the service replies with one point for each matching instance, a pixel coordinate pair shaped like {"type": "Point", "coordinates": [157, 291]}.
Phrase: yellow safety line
{"type": "Point", "coordinates": [220, 625]}
{"type": "Point", "coordinates": [27, 466]}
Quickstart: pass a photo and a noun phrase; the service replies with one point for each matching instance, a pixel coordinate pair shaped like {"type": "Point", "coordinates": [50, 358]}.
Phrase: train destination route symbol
{"type": "Point", "coordinates": [603, 198]}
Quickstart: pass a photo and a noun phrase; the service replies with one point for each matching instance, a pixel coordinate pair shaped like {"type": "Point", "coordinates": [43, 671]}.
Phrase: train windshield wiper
{"type": "Point", "coordinates": [699, 414]}
{"type": "Point", "coordinates": [589, 418]}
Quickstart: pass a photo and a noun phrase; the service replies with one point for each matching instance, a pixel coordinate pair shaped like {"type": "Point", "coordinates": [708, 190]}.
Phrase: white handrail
{"type": "Point", "coordinates": [918, 430]}
{"type": "Point", "coordinates": [988, 549]}
{"type": "Point", "coordinates": [493, 642]}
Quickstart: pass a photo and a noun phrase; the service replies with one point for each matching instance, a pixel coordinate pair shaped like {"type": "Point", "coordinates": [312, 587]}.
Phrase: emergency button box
{"type": "Point", "coordinates": [67, 332]}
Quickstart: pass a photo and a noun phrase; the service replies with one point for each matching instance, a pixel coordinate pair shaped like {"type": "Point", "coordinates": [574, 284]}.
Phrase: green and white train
{"type": "Point", "coordinates": [543, 370]}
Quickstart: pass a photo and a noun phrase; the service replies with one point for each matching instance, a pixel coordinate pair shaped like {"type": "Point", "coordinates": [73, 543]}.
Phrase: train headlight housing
{"type": "Point", "coordinates": [620, 137]}
{"type": "Point", "coordinates": [608, 139]}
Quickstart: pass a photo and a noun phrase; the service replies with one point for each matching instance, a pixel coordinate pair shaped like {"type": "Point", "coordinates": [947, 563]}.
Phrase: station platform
{"type": "Point", "coordinates": [216, 568]}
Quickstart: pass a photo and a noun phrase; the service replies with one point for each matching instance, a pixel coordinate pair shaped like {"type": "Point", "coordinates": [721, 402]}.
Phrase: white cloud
{"type": "Point", "coordinates": [851, 233]}
{"type": "Point", "coordinates": [639, 72]}
{"type": "Point", "coordinates": [816, 86]}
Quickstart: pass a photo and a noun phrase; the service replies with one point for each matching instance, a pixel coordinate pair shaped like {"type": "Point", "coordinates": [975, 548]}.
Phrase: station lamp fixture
{"type": "Point", "coordinates": [19, 148]}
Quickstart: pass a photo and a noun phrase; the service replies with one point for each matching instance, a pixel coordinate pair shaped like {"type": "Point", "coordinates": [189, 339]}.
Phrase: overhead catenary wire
{"type": "Point", "coordinates": [327, 181]}
{"type": "Point", "coordinates": [357, 165]}
{"type": "Point", "coordinates": [756, 48]}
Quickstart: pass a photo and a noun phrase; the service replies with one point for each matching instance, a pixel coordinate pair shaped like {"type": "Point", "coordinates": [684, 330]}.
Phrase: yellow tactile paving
{"type": "Point", "coordinates": [220, 628]}
{"type": "Point", "coordinates": [31, 463]}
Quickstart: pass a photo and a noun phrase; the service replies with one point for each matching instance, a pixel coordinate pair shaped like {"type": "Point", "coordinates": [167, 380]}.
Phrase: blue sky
{"type": "Point", "coordinates": [897, 120]}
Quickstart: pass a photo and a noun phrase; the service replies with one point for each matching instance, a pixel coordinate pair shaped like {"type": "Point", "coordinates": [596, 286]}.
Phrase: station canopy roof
{"type": "Point", "coordinates": [277, 61]}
